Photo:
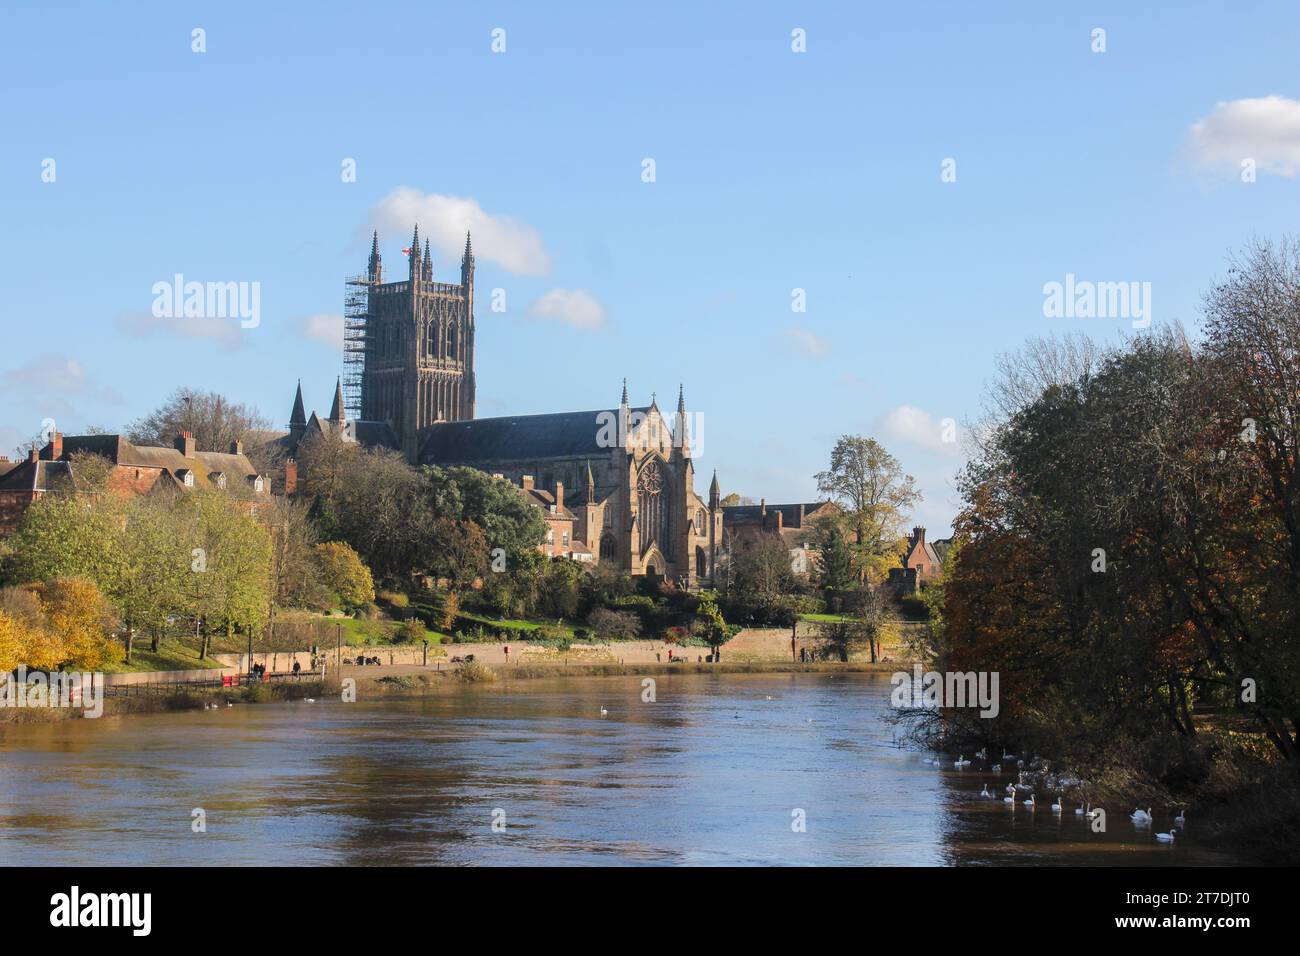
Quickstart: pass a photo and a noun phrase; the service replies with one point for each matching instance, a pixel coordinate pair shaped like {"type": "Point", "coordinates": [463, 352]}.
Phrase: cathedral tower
{"type": "Point", "coordinates": [419, 346]}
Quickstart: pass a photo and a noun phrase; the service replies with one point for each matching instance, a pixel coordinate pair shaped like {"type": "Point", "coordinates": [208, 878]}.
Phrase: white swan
{"type": "Point", "coordinates": [985, 792]}
{"type": "Point", "coordinates": [1030, 801]}
{"type": "Point", "coordinates": [1141, 816]}
{"type": "Point", "coordinates": [1081, 811]}
{"type": "Point", "coordinates": [1094, 814]}
{"type": "Point", "coordinates": [1010, 800]}
{"type": "Point", "coordinates": [603, 711]}
{"type": "Point", "coordinates": [1166, 837]}
{"type": "Point", "coordinates": [982, 754]}
{"type": "Point", "coordinates": [1056, 807]}
{"type": "Point", "coordinates": [961, 761]}
{"type": "Point", "coordinates": [1181, 819]}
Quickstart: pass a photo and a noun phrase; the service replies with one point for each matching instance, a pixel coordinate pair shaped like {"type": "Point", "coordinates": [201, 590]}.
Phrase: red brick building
{"type": "Point", "coordinates": [134, 470]}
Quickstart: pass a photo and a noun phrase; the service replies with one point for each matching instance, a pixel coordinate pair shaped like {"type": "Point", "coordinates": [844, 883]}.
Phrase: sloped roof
{"type": "Point", "coordinates": [239, 471]}
{"type": "Point", "coordinates": [555, 435]}
{"type": "Point", "coordinates": [791, 515]}
{"type": "Point", "coordinates": [34, 475]}
{"type": "Point", "coordinates": [545, 500]}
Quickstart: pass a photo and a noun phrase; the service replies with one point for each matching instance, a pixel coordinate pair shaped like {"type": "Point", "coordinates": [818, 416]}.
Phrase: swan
{"type": "Point", "coordinates": [1009, 799]}
{"type": "Point", "coordinates": [1080, 812]}
{"type": "Point", "coordinates": [1056, 807]}
{"type": "Point", "coordinates": [1166, 837]}
{"type": "Point", "coordinates": [603, 711]}
{"type": "Point", "coordinates": [985, 792]}
{"type": "Point", "coordinates": [1011, 789]}
{"type": "Point", "coordinates": [1030, 801]}
{"type": "Point", "coordinates": [1094, 814]}
{"type": "Point", "coordinates": [311, 700]}
{"type": "Point", "coordinates": [982, 754]}
{"type": "Point", "coordinates": [1181, 819]}
{"type": "Point", "coordinates": [1141, 816]}
{"type": "Point", "coordinates": [961, 761]}
{"type": "Point", "coordinates": [996, 768]}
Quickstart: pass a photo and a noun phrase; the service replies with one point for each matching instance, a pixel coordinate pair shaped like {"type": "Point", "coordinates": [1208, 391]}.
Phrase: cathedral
{"type": "Point", "coordinates": [622, 478]}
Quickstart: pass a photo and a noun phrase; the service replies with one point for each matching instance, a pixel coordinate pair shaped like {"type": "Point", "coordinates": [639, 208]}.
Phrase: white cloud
{"type": "Point", "coordinates": [514, 246]}
{"type": "Point", "coordinates": [808, 342]}
{"type": "Point", "coordinates": [915, 426]}
{"type": "Point", "coordinates": [225, 332]}
{"type": "Point", "coordinates": [578, 307]}
{"type": "Point", "coordinates": [326, 328]}
{"type": "Point", "coordinates": [1266, 129]}
{"type": "Point", "coordinates": [54, 386]}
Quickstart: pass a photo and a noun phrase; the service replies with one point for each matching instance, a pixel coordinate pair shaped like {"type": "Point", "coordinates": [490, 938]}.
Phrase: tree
{"type": "Point", "coordinates": [63, 536]}
{"type": "Point", "coordinates": [709, 623]}
{"type": "Point", "coordinates": [759, 583]}
{"type": "Point", "coordinates": [80, 619]}
{"type": "Point", "coordinates": [230, 572]}
{"type": "Point", "coordinates": [457, 551]}
{"type": "Point", "coordinates": [609, 624]}
{"type": "Point", "coordinates": [344, 573]}
{"type": "Point", "coordinates": [494, 504]}
{"type": "Point", "coordinates": [834, 566]}
{"type": "Point", "coordinates": [872, 487]}
{"type": "Point", "coordinates": [213, 419]}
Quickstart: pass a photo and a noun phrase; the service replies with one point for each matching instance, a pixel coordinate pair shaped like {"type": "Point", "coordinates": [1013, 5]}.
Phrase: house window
{"type": "Point", "coordinates": [257, 484]}
{"type": "Point", "coordinates": [565, 539]}
{"type": "Point", "coordinates": [550, 536]}
{"type": "Point", "coordinates": [187, 478]}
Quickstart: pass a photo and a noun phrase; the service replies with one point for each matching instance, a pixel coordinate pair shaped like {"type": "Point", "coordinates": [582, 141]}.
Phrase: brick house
{"type": "Point", "coordinates": [134, 470]}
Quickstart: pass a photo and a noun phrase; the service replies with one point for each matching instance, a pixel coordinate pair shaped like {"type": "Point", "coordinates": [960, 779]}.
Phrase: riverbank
{"type": "Point", "coordinates": [190, 699]}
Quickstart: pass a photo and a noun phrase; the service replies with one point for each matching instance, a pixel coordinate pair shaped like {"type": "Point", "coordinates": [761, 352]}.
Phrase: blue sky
{"type": "Point", "coordinates": [774, 171]}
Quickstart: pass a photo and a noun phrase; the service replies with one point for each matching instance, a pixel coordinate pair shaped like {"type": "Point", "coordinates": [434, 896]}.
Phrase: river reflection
{"type": "Point", "coordinates": [711, 773]}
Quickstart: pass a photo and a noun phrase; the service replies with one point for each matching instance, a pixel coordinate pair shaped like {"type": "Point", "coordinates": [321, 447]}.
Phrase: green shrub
{"type": "Point", "coordinates": [475, 672]}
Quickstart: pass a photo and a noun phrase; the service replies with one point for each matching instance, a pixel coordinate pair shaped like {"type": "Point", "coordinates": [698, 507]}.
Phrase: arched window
{"type": "Point", "coordinates": [654, 509]}
{"type": "Point", "coordinates": [451, 341]}
{"type": "Point", "coordinates": [608, 547]}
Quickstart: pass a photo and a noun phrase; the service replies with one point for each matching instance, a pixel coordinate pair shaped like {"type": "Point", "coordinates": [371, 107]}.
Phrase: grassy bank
{"type": "Point", "coordinates": [196, 699]}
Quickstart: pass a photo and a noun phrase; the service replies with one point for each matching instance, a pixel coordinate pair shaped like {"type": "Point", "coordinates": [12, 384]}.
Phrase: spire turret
{"type": "Point", "coordinates": [715, 492]}
{"type": "Point", "coordinates": [415, 254]}
{"type": "Point", "coordinates": [298, 417]}
{"type": "Point", "coordinates": [376, 269]}
{"type": "Point", "coordinates": [428, 262]}
{"type": "Point", "coordinates": [467, 262]}
{"type": "Point", "coordinates": [591, 485]}
{"type": "Point", "coordinates": [337, 411]}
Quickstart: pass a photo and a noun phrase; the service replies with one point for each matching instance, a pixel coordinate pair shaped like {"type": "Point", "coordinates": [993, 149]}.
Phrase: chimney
{"type": "Point", "coordinates": [780, 519]}
{"type": "Point", "coordinates": [55, 446]}
{"type": "Point", "coordinates": [185, 444]}
{"type": "Point", "coordinates": [290, 476]}
{"type": "Point", "coordinates": [559, 496]}
{"type": "Point", "coordinates": [526, 482]}
{"type": "Point", "coordinates": [236, 447]}
{"type": "Point", "coordinates": [31, 455]}
{"type": "Point", "coordinates": [918, 535]}
{"type": "Point", "coordinates": [762, 506]}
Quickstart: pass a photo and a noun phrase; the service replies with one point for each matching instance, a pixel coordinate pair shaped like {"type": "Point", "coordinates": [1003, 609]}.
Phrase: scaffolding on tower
{"type": "Point", "coordinates": [356, 321]}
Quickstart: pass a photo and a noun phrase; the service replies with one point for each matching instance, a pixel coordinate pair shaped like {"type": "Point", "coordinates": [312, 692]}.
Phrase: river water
{"type": "Point", "coordinates": [720, 769]}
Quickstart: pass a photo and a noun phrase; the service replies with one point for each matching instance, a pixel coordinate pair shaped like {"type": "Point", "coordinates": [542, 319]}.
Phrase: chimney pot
{"type": "Point", "coordinates": [526, 482]}
{"type": "Point", "coordinates": [185, 444]}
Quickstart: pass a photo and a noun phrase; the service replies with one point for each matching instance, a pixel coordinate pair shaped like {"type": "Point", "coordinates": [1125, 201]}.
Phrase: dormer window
{"type": "Point", "coordinates": [257, 482]}
{"type": "Point", "coordinates": [218, 479]}
{"type": "Point", "coordinates": [186, 476]}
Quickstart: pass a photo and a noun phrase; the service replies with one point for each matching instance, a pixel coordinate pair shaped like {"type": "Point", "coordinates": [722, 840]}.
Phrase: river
{"type": "Point", "coordinates": [720, 769]}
